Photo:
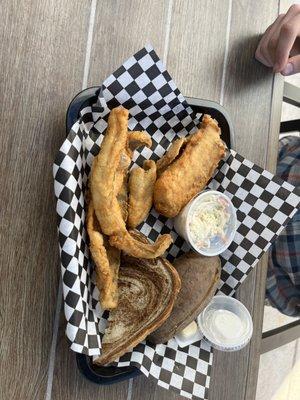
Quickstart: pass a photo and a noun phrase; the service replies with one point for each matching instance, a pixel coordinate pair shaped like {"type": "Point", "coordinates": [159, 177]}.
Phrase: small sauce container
{"type": "Point", "coordinates": [226, 323]}
{"type": "Point", "coordinates": [208, 223]}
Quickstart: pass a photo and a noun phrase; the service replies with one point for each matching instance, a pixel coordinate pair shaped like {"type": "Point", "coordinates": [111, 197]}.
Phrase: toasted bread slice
{"type": "Point", "coordinates": [147, 292]}
{"type": "Point", "coordinates": [200, 277]}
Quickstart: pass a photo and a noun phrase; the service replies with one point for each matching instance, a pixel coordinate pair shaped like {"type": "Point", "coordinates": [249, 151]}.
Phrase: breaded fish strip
{"type": "Point", "coordinates": [172, 153]}
{"type": "Point", "coordinates": [134, 248]}
{"type": "Point", "coordinates": [120, 183]}
{"type": "Point", "coordinates": [137, 139]}
{"type": "Point", "coordinates": [102, 183]}
{"type": "Point", "coordinates": [191, 171]}
{"type": "Point", "coordinates": [107, 261]}
{"type": "Point", "coordinates": [141, 186]}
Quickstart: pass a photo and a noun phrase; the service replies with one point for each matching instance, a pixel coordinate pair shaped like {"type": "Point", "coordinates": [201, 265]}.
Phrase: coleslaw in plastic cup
{"type": "Point", "coordinates": [208, 222]}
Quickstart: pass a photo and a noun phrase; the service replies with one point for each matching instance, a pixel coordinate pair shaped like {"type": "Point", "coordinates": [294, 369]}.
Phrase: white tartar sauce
{"type": "Point", "coordinates": [225, 326]}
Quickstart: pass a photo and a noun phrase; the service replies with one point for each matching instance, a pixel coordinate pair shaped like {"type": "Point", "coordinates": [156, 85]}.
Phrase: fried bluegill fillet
{"type": "Point", "coordinates": [141, 186]}
{"type": "Point", "coordinates": [190, 172]}
{"type": "Point", "coordinates": [102, 184]}
{"type": "Point", "coordinates": [106, 259]}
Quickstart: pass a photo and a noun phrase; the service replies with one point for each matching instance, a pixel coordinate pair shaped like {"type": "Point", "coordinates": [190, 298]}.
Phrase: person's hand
{"type": "Point", "coordinates": [279, 47]}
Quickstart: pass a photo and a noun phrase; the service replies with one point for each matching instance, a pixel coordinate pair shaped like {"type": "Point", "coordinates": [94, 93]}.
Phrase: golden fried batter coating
{"type": "Point", "coordinates": [191, 171]}
{"type": "Point", "coordinates": [107, 261]}
{"type": "Point", "coordinates": [102, 184]}
{"type": "Point", "coordinates": [141, 186]}
{"type": "Point", "coordinates": [172, 153]}
{"type": "Point", "coordinates": [137, 139]}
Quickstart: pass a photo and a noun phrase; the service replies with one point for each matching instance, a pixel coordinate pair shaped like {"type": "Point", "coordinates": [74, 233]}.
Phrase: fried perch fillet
{"type": "Point", "coordinates": [141, 186]}
{"type": "Point", "coordinates": [107, 262]}
{"type": "Point", "coordinates": [120, 184]}
{"type": "Point", "coordinates": [106, 175]}
{"type": "Point", "coordinates": [135, 139]}
{"type": "Point", "coordinates": [191, 171]}
{"type": "Point", "coordinates": [102, 183]}
{"type": "Point", "coordinates": [106, 257]}
{"type": "Point", "coordinates": [172, 153]}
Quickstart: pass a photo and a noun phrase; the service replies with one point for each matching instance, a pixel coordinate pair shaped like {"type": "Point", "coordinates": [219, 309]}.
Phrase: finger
{"type": "Point", "coordinates": [258, 53]}
{"type": "Point", "coordinates": [296, 48]}
{"type": "Point", "coordinates": [292, 67]}
{"type": "Point", "coordinates": [293, 10]}
{"type": "Point", "coordinates": [288, 34]}
{"type": "Point", "coordinates": [259, 56]}
{"type": "Point", "coordinates": [269, 44]}
{"type": "Point", "coordinates": [262, 53]}
{"type": "Point", "coordinates": [273, 37]}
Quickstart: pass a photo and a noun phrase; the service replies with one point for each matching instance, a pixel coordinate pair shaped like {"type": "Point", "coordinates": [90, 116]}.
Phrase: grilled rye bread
{"type": "Point", "coordinates": [147, 292]}
{"type": "Point", "coordinates": [199, 276]}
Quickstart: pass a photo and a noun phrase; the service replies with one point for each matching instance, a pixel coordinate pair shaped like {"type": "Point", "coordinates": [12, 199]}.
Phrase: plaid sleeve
{"type": "Point", "coordinates": [283, 278]}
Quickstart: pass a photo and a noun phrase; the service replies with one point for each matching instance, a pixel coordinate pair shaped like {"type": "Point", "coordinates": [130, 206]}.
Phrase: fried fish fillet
{"type": "Point", "coordinates": [135, 139]}
{"type": "Point", "coordinates": [172, 153]}
{"type": "Point", "coordinates": [141, 186]}
{"type": "Point", "coordinates": [120, 183]}
{"type": "Point", "coordinates": [106, 259]}
{"type": "Point", "coordinates": [102, 184]}
{"type": "Point", "coordinates": [190, 172]}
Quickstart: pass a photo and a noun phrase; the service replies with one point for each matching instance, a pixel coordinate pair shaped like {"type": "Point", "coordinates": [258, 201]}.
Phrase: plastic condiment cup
{"type": "Point", "coordinates": [226, 323]}
{"type": "Point", "coordinates": [183, 219]}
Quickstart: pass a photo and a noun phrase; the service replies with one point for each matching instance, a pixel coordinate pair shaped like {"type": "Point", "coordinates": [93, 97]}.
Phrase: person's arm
{"type": "Point", "coordinates": [279, 47]}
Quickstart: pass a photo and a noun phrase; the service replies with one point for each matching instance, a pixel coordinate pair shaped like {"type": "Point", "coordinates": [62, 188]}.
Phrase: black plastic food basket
{"type": "Point", "coordinates": [109, 375]}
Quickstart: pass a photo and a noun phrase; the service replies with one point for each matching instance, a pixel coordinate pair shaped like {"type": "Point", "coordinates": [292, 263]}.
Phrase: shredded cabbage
{"type": "Point", "coordinates": [209, 219]}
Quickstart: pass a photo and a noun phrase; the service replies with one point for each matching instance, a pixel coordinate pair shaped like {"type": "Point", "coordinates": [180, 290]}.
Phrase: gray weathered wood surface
{"type": "Point", "coordinates": [48, 52]}
{"type": "Point", "coordinates": [39, 72]}
{"type": "Point", "coordinates": [197, 46]}
{"type": "Point", "coordinates": [122, 28]}
{"type": "Point", "coordinates": [248, 97]}
{"type": "Point", "coordinates": [69, 383]}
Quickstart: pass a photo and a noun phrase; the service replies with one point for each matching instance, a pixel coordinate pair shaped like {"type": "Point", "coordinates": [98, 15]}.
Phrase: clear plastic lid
{"type": "Point", "coordinates": [208, 222]}
{"type": "Point", "coordinates": [226, 323]}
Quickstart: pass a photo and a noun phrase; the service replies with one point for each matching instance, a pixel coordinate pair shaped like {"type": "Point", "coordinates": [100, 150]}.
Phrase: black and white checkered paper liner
{"type": "Point", "coordinates": [264, 205]}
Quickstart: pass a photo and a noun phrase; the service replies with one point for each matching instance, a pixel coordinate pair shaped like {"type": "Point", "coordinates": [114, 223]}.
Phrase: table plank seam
{"type": "Point", "coordinates": [274, 121]}
{"type": "Point", "coordinates": [129, 390]}
{"type": "Point", "coordinates": [54, 342]}
{"type": "Point", "coordinates": [52, 355]}
{"type": "Point", "coordinates": [226, 51]}
{"type": "Point", "coordinates": [89, 44]}
{"type": "Point", "coordinates": [168, 31]}
{"type": "Point", "coordinates": [247, 392]}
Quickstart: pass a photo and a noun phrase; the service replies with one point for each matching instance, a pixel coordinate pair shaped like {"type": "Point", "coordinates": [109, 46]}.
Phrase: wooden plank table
{"type": "Point", "coordinates": [49, 51]}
